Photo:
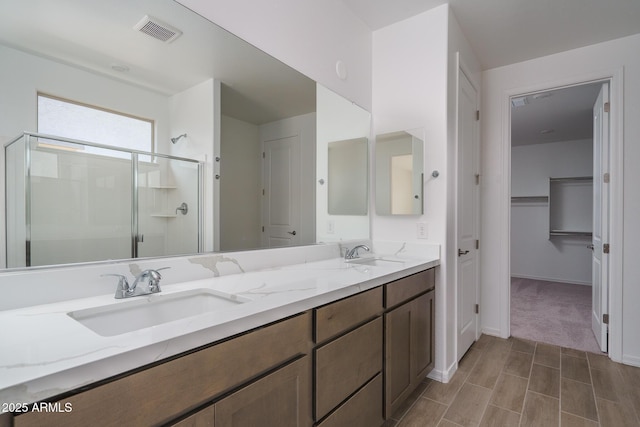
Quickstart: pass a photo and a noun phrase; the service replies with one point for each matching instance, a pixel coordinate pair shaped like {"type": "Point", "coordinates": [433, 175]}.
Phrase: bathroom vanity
{"type": "Point", "coordinates": [343, 344]}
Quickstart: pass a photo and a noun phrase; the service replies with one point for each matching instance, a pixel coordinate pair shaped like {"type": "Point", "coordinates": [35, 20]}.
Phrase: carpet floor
{"type": "Point", "coordinates": [553, 313]}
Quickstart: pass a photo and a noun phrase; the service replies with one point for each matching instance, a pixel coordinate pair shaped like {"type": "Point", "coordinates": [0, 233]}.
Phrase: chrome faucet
{"type": "Point", "coordinates": [353, 253]}
{"type": "Point", "coordinates": [125, 290]}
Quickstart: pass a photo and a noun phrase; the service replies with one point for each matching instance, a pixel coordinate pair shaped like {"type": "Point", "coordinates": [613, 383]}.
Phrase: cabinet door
{"type": "Point", "coordinates": [203, 418]}
{"type": "Point", "coordinates": [409, 349]}
{"type": "Point", "coordinates": [398, 357]}
{"type": "Point", "coordinates": [281, 399]}
{"type": "Point", "coordinates": [422, 336]}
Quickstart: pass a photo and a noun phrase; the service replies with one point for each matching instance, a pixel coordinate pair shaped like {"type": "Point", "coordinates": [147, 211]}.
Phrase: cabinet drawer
{"type": "Point", "coordinates": [364, 409]}
{"type": "Point", "coordinates": [163, 392]}
{"type": "Point", "coordinates": [281, 399]}
{"type": "Point", "coordinates": [406, 288]}
{"type": "Point", "coordinates": [339, 375]}
{"type": "Point", "coordinates": [337, 317]}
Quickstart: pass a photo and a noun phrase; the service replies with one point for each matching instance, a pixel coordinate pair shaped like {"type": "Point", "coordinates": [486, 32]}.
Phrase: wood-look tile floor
{"type": "Point", "coordinates": [515, 382]}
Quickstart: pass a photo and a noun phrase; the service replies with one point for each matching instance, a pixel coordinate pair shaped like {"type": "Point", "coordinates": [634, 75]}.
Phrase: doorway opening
{"type": "Point", "coordinates": [557, 216]}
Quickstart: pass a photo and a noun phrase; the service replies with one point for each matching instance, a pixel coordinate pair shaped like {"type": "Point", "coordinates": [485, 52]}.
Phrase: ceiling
{"type": "Point", "coordinates": [503, 32]}
{"type": "Point", "coordinates": [91, 34]}
{"type": "Point", "coordinates": [557, 115]}
{"type": "Point", "coordinates": [99, 35]}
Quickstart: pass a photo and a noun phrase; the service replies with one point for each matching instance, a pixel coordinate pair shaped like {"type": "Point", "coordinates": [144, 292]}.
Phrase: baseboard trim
{"type": "Point", "coordinates": [443, 376]}
{"type": "Point", "coordinates": [492, 331]}
{"type": "Point", "coordinates": [631, 360]}
{"type": "Point", "coordinates": [551, 279]}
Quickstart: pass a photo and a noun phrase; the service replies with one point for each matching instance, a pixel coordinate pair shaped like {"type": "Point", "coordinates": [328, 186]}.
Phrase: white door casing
{"type": "Point", "coordinates": [281, 197]}
{"type": "Point", "coordinates": [600, 262]}
{"type": "Point", "coordinates": [468, 208]}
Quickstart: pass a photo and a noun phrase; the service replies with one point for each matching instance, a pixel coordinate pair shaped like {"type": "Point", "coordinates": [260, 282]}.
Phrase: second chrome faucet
{"type": "Point", "coordinates": [125, 290]}
{"type": "Point", "coordinates": [353, 253]}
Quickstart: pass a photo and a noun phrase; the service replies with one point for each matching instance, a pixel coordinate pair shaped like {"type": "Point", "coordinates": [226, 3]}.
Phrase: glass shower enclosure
{"type": "Point", "coordinates": [69, 201]}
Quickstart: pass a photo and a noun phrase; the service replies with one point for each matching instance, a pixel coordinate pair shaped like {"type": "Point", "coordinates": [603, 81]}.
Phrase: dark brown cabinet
{"type": "Point", "coordinates": [162, 393]}
{"type": "Point", "coordinates": [351, 362]}
{"type": "Point", "coordinates": [409, 341]}
{"type": "Point", "coordinates": [348, 380]}
{"type": "Point", "coordinates": [280, 399]}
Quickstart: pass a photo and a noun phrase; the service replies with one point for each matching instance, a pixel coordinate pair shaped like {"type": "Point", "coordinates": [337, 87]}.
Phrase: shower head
{"type": "Point", "coordinates": [177, 138]}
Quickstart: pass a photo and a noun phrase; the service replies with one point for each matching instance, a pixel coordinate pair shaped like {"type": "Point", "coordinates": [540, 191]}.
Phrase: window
{"type": "Point", "coordinates": [73, 120]}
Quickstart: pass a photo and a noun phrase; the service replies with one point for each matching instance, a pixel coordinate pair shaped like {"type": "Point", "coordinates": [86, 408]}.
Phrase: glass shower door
{"type": "Point", "coordinates": [79, 203]}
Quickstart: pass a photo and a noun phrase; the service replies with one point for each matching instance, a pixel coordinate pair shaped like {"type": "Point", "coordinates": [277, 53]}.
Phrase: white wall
{"type": "Point", "coordinates": [240, 185]}
{"type": "Point", "coordinates": [310, 36]}
{"type": "Point", "coordinates": [618, 58]}
{"type": "Point", "coordinates": [193, 112]}
{"type": "Point", "coordinates": [414, 81]}
{"type": "Point", "coordinates": [533, 254]}
{"type": "Point", "coordinates": [337, 120]}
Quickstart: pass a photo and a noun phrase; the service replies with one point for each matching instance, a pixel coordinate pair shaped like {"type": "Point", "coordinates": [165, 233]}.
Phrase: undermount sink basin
{"type": "Point", "coordinates": [144, 312]}
{"type": "Point", "coordinates": [374, 261]}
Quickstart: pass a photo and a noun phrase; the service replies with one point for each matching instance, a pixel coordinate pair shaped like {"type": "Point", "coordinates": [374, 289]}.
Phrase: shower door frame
{"type": "Point", "coordinates": [135, 235]}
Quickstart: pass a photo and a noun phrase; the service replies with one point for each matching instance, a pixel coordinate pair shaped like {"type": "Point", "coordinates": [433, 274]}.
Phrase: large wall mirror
{"type": "Point", "coordinates": [400, 173]}
{"type": "Point", "coordinates": [256, 125]}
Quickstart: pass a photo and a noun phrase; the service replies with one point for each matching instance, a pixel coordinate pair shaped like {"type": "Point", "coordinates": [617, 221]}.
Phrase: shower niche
{"type": "Point", "coordinates": [70, 201]}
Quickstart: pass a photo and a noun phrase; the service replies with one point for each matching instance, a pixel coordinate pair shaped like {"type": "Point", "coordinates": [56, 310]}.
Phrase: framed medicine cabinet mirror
{"type": "Point", "coordinates": [399, 173]}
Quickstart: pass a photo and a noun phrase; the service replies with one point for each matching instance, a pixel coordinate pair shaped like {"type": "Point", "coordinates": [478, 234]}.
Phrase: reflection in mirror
{"type": "Point", "coordinates": [341, 120]}
{"type": "Point", "coordinates": [348, 174]}
{"type": "Point", "coordinates": [195, 84]}
{"type": "Point", "coordinates": [267, 170]}
{"type": "Point", "coordinates": [399, 173]}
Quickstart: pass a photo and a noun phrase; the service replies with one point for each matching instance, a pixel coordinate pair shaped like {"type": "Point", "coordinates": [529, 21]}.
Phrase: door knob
{"type": "Point", "coordinates": [461, 252]}
{"type": "Point", "coordinates": [293, 233]}
{"type": "Point", "coordinates": [590, 246]}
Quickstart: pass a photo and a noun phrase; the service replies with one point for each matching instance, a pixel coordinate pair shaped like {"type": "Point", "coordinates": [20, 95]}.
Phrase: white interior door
{"type": "Point", "coordinates": [467, 215]}
{"type": "Point", "coordinates": [281, 198]}
{"type": "Point", "coordinates": [600, 270]}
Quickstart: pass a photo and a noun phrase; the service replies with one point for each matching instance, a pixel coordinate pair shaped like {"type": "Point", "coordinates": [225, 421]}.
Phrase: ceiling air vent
{"type": "Point", "coordinates": [157, 29]}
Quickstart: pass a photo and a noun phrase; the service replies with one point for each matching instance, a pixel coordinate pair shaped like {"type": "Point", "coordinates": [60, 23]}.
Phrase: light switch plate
{"type": "Point", "coordinates": [331, 226]}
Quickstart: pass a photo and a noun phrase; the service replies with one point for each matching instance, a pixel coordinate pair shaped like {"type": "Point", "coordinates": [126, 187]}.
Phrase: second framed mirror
{"type": "Point", "coordinates": [399, 173]}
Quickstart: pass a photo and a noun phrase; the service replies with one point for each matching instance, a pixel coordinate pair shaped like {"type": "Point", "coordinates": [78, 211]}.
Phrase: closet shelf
{"type": "Point", "coordinates": [570, 233]}
{"type": "Point", "coordinates": [529, 199]}
{"type": "Point", "coordinates": [572, 179]}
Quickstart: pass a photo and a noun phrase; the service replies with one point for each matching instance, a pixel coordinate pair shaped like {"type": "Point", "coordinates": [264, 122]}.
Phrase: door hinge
{"type": "Point", "coordinates": [477, 308]}
{"type": "Point", "coordinates": [477, 115]}
{"type": "Point", "coordinates": [477, 178]}
{"type": "Point", "coordinates": [263, 155]}
{"type": "Point", "coordinates": [607, 107]}
{"type": "Point", "coordinates": [605, 248]}
{"type": "Point", "coordinates": [606, 177]}
{"type": "Point", "coordinates": [605, 319]}
{"type": "Point", "coordinates": [263, 191]}
{"type": "Point", "coordinates": [477, 244]}
{"type": "Point", "coordinates": [263, 228]}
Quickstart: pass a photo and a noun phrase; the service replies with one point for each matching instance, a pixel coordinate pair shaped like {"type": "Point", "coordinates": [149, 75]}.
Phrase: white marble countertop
{"type": "Point", "coordinates": [44, 352]}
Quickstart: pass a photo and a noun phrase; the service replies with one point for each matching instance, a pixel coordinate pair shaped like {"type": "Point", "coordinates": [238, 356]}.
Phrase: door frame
{"type": "Point", "coordinates": [616, 169]}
